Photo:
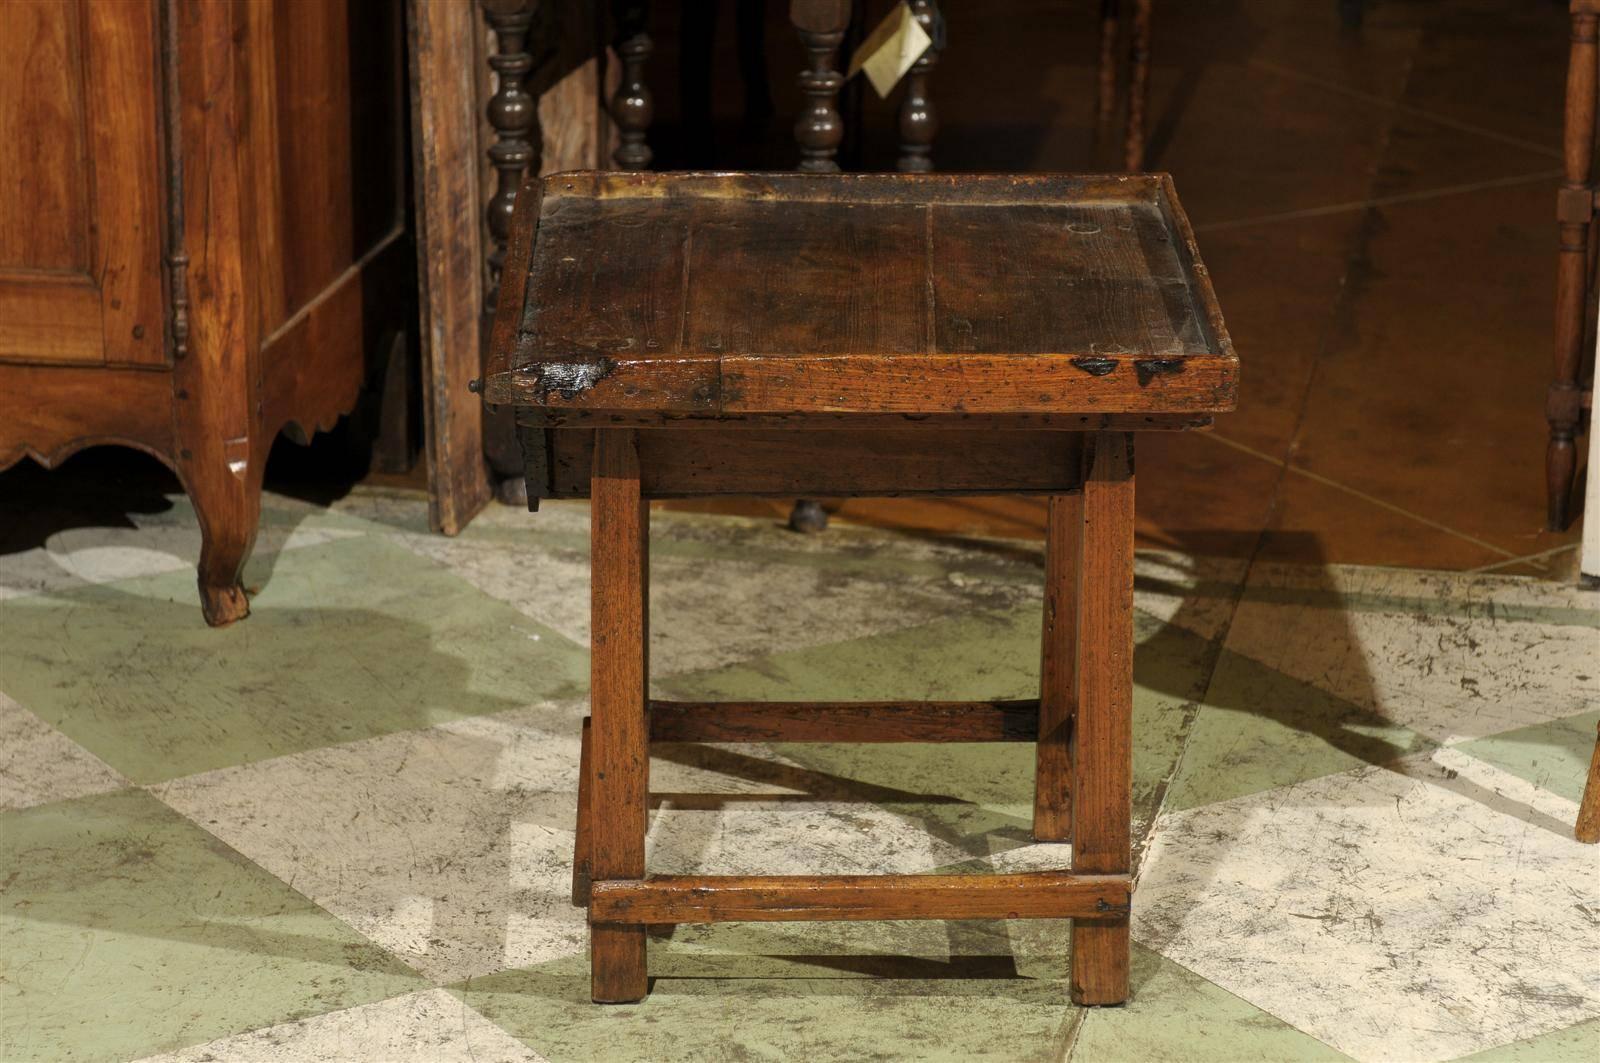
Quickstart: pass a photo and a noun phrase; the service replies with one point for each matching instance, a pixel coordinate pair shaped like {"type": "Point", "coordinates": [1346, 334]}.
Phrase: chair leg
{"type": "Point", "coordinates": [1106, 97]}
{"type": "Point", "coordinates": [1052, 779]}
{"type": "Point", "coordinates": [918, 119]}
{"type": "Point", "coordinates": [1102, 733]}
{"type": "Point", "coordinates": [821, 25]}
{"type": "Point", "coordinates": [1138, 86]}
{"type": "Point", "coordinates": [1575, 212]}
{"type": "Point", "coordinates": [619, 670]}
{"type": "Point", "coordinates": [1588, 825]}
{"type": "Point", "coordinates": [633, 105]}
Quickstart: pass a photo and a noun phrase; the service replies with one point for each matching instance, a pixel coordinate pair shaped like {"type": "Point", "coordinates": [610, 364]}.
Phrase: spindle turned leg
{"type": "Point", "coordinates": [619, 669]}
{"type": "Point", "coordinates": [1052, 782]}
{"type": "Point", "coordinates": [632, 106]}
{"type": "Point", "coordinates": [821, 25]}
{"type": "Point", "coordinates": [1138, 86]}
{"type": "Point", "coordinates": [1106, 96]}
{"type": "Point", "coordinates": [918, 119]}
{"type": "Point", "coordinates": [1575, 213]}
{"type": "Point", "coordinates": [1102, 730]}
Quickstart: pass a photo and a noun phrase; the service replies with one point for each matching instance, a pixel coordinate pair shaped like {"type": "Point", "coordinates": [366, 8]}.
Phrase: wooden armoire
{"type": "Point", "coordinates": [202, 238]}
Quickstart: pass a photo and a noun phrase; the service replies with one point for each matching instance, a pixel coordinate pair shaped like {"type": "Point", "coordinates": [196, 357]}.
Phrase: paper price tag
{"type": "Point", "coordinates": [891, 49]}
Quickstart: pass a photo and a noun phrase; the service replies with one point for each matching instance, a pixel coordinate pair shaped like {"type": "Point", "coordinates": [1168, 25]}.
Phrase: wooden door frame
{"type": "Point", "coordinates": [450, 45]}
{"type": "Point", "coordinates": [444, 124]}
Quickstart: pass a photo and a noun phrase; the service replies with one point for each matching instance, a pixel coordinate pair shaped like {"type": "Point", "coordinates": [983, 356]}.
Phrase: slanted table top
{"type": "Point", "coordinates": [738, 295]}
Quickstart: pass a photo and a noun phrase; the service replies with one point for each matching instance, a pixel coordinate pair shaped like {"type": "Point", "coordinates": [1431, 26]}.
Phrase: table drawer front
{"type": "Point", "coordinates": [686, 463]}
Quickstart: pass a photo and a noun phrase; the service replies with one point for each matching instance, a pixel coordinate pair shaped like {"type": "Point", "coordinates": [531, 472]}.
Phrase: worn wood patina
{"type": "Point", "coordinates": [695, 335]}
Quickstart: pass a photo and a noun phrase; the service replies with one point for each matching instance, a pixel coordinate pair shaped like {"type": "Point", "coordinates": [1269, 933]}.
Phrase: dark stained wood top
{"type": "Point", "coordinates": [735, 295]}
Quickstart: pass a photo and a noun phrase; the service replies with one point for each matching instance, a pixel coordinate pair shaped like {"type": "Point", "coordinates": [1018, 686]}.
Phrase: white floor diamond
{"type": "Point", "coordinates": [452, 846]}
{"type": "Point", "coordinates": [1392, 918]}
{"type": "Point", "coordinates": [1450, 656]}
{"type": "Point", "coordinates": [39, 764]}
{"type": "Point", "coordinates": [705, 615]}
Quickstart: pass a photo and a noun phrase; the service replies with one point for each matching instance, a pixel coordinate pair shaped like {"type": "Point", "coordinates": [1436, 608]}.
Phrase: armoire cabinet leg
{"type": "Point", "coordinates": [228, 505]}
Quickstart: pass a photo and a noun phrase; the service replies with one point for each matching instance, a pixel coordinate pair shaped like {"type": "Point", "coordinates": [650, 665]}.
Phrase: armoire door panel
{"type": "Point", "coordinates": [44, 213]}
{"type": "Point", "coordinates": [325, 108]}
{"type": "Point", "coordinates": [80, 205]}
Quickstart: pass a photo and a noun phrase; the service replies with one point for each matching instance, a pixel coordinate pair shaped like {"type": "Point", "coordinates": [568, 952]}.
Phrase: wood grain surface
{"type": "Point", "coordinates": [1102, 736]}
{"type": "Point", "coordinates": [620, 753]}
{"type": "Point", "coordinates": [788, 898]}
{"type": "Point", "coordinates": [800, 294]}
{"type": "Point", "coordinates": [1052, 782]}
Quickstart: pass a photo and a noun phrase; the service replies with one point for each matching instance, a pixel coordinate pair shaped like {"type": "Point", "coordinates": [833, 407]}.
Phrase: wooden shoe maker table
{"type": "Point", "coordinates": [823, 335]}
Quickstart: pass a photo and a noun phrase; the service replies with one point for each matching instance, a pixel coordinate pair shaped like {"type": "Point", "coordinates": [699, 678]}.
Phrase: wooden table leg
{"type": "Point", "coordinates": [620, 755]}
{"type": "Point", "coordinates": [581, 844]}
{"type": "Point", "coordinates": [1587, 828]}
{"type": "Point", "coordinates": [1052, 777]}
{"type": "Point", "coordinates": [1102, 733]}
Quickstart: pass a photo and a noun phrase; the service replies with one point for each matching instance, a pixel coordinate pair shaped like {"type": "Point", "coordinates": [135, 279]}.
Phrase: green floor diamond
{"type": "Point", "coordinates": [347, 640]}
{"type": "Point", "coordinates": [127, 930]}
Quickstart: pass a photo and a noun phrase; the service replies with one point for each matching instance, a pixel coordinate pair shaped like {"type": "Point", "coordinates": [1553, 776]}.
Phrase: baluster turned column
{"type": "Point", "coordinates": [632, 107]}
{"type": "Point", "coordinates": [1138, 87]}
{"type": "Point", "coordinates": [1106, 85]}
{"type": "Point", "coordinates": [821, 25]}
{"type": "Point", "coordinates": [513, 113]}
{"type": "Point", "coordinates": [918, 120]}
{"type": "Point", "coordinates": [1575, 214]}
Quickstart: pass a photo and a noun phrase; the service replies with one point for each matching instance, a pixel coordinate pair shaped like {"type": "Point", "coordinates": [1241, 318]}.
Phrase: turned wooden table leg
{"type": "Point", "coordinates": [1588, 825]}
{"type": "Point", "coordinates": [918, 119]}
{"type": "Point", "coordinates": [1138, 86]}
{"type": "Point", "coordinates": [619, 669]}
{"type": "Point", "coordinates": [1106, 87]}
{"type": "Point", "coordinates": [1574, 212]}
{"type": "Point", "coordinates": [1102, 733]}
{"type": "Point", "coordinates": [1052, 781]}
{"type": "Point", "coordinates": [821, 25]}
{"type": "Point", "coordinates": [632, 106]}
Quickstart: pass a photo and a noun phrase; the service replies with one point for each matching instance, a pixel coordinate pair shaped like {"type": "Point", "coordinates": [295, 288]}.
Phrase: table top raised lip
{"type": "Point", "coordinates": [733, 385]}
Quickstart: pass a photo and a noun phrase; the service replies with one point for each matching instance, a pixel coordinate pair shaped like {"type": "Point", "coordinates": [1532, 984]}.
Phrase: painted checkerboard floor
{"type": "Point", "coordinates": [342, 830]}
